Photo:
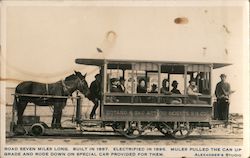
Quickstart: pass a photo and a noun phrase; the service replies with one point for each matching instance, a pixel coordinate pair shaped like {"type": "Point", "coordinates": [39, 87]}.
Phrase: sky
{"type": "Point", "coordinates": [42, 42]}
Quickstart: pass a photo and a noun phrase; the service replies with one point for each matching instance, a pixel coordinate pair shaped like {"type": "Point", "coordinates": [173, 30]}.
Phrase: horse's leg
{"type": "Point", "coordinates": [59, 117]}
{"type": "Point", "coordinates": [53, 123]}
{"type": "Point", "coordinates": [57, 114]}
{"type": "Point", "coordinates": [61, 105]}
{"type": "Point", "coordinates": [20, 110]}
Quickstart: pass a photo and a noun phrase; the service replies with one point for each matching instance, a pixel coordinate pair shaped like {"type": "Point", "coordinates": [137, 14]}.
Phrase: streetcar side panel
{"type": "Point", "coordinates": [157, 113]}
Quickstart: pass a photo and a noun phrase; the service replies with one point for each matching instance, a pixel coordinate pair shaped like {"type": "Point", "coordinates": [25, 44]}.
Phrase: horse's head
{"type": "Point", "coordinates": [82, 84]}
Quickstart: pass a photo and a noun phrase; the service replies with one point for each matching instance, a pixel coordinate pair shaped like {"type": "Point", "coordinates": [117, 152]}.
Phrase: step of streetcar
{"type": "Point", "coordinates": [64, 131]}
{"type": "Point", "coordinates": [91, 123]}
{"type": "Point", "coordinates": [219, 121]}
{"type": "Point", "coordinates": [97, 129]}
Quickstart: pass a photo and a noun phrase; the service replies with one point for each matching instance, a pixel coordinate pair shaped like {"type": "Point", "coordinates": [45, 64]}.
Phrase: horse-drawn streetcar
{"type": "Point", "coordinates": [136, 96]}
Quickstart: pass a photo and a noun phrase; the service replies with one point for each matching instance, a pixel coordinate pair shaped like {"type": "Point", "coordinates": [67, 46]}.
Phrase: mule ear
{"type": "Point", "coordinates": [75, 71]}
{"type": "Point", "coordinates": [85, 75]}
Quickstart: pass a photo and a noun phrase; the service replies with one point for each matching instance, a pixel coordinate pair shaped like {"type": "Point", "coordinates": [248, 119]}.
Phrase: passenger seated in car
{"type": "Point", "coordinates": [165, 90]}
{"type": "Point", "coordinates": [121, 85]}
{"type": "Point", "coordinates": [114, 88]}
{"type": "Point", "coordinates": [192, 89]}
{"type": "Point", "coordinates": [193, 93]}
{"type": "Point", "coordinates": [175, 91]}
{"type": "Point", "coordinates": [153, 99]}
{"type": "Point", "coordinates": [114, 85]}
{"type": "Point", "coordinates": [154, 89]}
{"type": "Point", "coordinates": [165, 87]}
{"type": "Point", "coordinates": [175, 85]}
{"type": "Point", "coordinates": [141, 88]}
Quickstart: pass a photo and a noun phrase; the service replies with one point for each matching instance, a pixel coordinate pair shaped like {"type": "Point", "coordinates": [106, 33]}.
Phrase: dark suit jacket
{"type": "Point", "coordinates": [95, 91]}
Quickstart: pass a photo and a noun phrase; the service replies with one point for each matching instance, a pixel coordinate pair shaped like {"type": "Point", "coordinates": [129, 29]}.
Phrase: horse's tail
{"type": "Point", "coordinates": [15, 102]}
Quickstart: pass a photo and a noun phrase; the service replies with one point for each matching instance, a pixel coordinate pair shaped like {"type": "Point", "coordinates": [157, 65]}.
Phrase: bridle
{"type": "Point", "coordinates": [66, 88]}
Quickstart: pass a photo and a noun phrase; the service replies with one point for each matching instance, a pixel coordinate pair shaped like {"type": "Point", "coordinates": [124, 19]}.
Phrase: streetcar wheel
{"type": "Point", "coordinates": [165, 132]}
{"type": "Point", "coordinates": [165, 129]}
{"type": "Point", "coordinates": [37, 129]}
{"type": "Point", "coordinates": [131, 133]}
{"type": "Point", "coordinates": [181, 131]}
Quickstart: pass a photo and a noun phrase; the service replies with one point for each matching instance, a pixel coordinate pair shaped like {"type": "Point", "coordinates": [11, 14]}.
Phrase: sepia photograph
{"type": "Point", "coordinates": [124, 79]}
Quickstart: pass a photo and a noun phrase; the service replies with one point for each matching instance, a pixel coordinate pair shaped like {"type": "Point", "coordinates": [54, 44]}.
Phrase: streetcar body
{"type": "Point", "coordinates": [133, 111]}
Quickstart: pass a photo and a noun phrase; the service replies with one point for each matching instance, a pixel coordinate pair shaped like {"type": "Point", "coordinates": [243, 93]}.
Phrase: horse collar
{"type": "Point", "coordinates": [47, 89]}
{"type": "Point", "coordinates": [65, 88]}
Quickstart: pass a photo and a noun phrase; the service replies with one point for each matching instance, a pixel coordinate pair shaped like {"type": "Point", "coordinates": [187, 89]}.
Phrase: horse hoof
{"type": "Point", "coordinates": [53, 126]}
{"type": "Point", "coordinates": [56, 126]}
{"type": "Point", "coordinates": [19, 130]}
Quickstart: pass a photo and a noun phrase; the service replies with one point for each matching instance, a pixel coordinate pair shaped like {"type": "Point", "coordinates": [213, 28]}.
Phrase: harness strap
{"type": "Point", "coordinates": [65, 87]}
{"type": "Point", "coordinates": [47, 89]}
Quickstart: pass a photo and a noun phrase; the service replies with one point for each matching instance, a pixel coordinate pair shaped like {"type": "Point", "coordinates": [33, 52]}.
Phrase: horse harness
{"type": "Point", "coordinates": [47, 88]}
{"type": "Point", "coordinates": [65, 88]}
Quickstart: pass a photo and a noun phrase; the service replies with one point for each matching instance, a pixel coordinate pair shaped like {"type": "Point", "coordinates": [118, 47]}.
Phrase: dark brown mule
{"type": "Point", "coordinates": [61, 88]}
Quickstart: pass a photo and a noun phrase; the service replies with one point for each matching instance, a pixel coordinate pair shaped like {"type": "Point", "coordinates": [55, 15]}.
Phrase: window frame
{"type": "Point", "coordinates": [106, 93]}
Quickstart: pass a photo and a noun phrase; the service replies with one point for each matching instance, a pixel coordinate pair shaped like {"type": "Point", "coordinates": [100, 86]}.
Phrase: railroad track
{"type": "Point", "coordinates": [115, 136]}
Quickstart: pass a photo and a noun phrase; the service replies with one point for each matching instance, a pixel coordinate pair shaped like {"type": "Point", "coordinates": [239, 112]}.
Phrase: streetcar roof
{"type": "Point", "coordinates": [100, 62]}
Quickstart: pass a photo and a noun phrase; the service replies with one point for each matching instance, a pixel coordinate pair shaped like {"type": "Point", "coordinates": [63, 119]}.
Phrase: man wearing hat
{"type": "Point", "coordinates": [95, 93]}
{"type": "Point", "coordinates": [222, 93]}
{"type": "Point", "coordinates": [154, 88]}
{"type": "Point", "coordinates": [192, 89]}
{"type": "Point", "coordinates": [193, 93]}
{"type": "Point", "coordinates": [175, 90]}
{"type": "Point", "coordinates": [114, 85]}
{"type": "Point", "coordinates": [121, 86]}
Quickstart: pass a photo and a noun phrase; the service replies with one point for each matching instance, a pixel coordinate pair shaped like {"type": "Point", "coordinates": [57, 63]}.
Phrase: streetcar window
{"type": "Point", "coordinates": [129, 82]}
{"type": "Point", "coordinates": [172, 83]}
{"type": "Point", "coordinates": [200, 76]}
{"type": "Point", "coordinates": [113, 77]}
{"type": "Point", "coordinates": [146, 76]}
{"type": "Point", "coordinates": [173, 74]}
{"type": "Point", "coordinates": [177, 80]}
{"type": "Point", "coordinates": [118, 77]}
{"type": "Point", "coordinates": [119, 83]}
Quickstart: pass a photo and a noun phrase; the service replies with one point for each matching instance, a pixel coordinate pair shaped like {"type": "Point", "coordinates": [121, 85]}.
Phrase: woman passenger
{"type": "Point", "coordinates": [165, 87]}
{"type": "Point", "coordinates": [141, 88]}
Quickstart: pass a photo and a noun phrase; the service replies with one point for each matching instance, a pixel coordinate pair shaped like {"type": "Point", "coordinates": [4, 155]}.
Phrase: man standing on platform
{"type": "Point", "coordinates": [95, 94]}
{"type": "Point", "coordinates": [222, 93]}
